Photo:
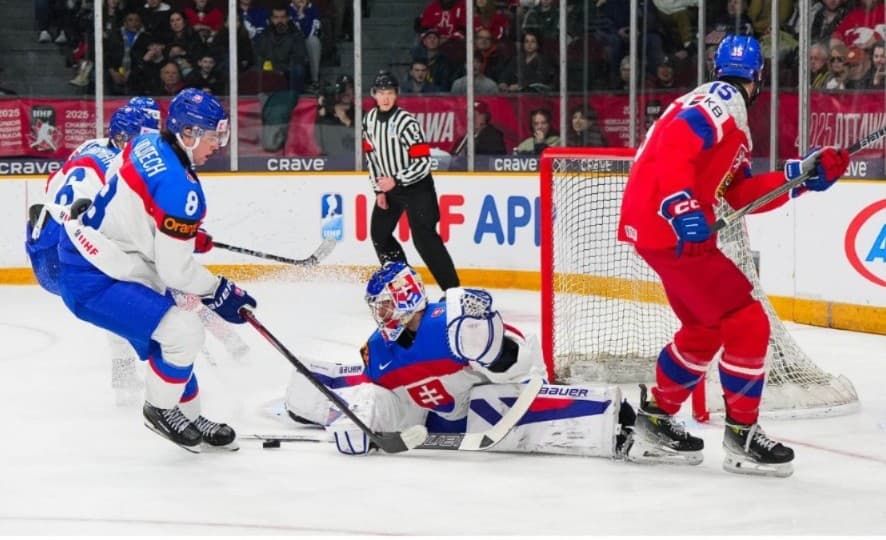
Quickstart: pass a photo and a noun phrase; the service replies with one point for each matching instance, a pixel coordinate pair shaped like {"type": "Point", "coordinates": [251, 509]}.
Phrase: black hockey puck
{"type": "Point", "coordinates": [271, 443]}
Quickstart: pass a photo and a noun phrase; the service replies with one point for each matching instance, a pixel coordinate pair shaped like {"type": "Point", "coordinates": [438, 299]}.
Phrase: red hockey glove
{"type": "Point", "coordinates": [203, 241]}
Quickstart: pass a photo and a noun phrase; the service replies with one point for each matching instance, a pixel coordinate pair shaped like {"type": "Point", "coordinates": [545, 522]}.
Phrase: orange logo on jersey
{"type": "Point", "coordinates": [179, 228]}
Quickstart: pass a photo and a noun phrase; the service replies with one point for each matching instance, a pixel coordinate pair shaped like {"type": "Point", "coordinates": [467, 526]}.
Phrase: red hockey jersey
{"type": "Point", "coordinates": [701, 144]}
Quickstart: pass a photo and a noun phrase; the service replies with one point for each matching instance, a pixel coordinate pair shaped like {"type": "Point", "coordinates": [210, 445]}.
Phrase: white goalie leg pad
{"type": "Point", "coordinates": [304, 400]}
{"type": "Point", "coordinates": [574, 420]}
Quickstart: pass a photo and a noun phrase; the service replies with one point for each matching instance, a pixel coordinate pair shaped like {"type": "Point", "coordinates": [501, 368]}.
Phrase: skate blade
{"type": "Point", "coordinates": [193, 449]}
{"type": "Point", "coordinates": [643, 452]}
{"type": "Point", "coordinates": [232, 446]}
{"type": "Point", "coordinates": [744, 465]}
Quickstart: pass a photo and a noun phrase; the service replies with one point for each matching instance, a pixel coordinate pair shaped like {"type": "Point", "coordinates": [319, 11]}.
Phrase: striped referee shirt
{"type": "Point", "coordinates": [395, 146]}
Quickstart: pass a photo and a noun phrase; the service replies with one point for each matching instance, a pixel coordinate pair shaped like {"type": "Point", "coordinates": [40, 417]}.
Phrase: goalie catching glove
{"type": "Point", "coordinates": [227, 300]}
{"type": "Point", "coordinates": [824, 165]}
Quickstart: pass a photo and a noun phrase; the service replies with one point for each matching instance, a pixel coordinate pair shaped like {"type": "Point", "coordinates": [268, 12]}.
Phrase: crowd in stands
{"type": "Point", "coordinates": [158, 47]}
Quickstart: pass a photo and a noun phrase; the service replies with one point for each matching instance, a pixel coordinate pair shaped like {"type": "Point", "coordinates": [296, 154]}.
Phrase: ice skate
{"type": "Point", "coordinates": [172, 424]}
{"type": "Point", "coordinates": [750, 451]}
{"type": "Point", "coordinates": [658, 438]}
{"type": "Point", "coordinates": [216, 436]}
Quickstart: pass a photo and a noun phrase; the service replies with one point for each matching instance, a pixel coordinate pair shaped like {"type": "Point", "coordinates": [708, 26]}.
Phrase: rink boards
{"type": "Point", "coordinates": [822, 257]}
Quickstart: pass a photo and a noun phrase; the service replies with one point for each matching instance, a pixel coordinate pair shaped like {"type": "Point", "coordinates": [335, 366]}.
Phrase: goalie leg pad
{"type": "Point", "coordinates": [306, 402]}
{"type": "Point", "coordinates": [573, 420]}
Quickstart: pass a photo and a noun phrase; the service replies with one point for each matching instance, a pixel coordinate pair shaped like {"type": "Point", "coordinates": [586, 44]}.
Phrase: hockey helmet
{"type": "Point", "coordinates": [127, 123]}
{"type": "Point", "coordinates": [741, 57]}
{"type": "Point", "coordinates": [200, 111]}
{"type": "Point", "coordinates": [394, 294]}
{"type": "Point", "coordinates": [384, 80]}
{"type": "Point", "coordinates": [150, 106]}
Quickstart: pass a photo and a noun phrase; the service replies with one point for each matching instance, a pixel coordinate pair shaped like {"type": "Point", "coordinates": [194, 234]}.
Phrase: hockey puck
{"type": "Point", "coordinates": [271, 443]}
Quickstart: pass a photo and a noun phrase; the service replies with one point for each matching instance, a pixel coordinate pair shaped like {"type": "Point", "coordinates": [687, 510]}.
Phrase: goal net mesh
{"type": "Point", "coordinates": [605, 315]}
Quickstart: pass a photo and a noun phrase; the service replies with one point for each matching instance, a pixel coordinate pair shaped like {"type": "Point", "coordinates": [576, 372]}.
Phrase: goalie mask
{"type": "Point", "coordinates": [394, 294]}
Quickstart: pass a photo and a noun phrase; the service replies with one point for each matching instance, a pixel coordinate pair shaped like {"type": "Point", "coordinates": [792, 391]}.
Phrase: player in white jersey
{"type": "Point", "coordinates": [456, 366]}
{"type": "Point", "coordinates": [119, 260]}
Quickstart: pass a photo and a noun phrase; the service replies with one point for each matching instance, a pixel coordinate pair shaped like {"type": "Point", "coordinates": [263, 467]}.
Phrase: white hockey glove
{"type": "Point", "coordinates": [349, 439]}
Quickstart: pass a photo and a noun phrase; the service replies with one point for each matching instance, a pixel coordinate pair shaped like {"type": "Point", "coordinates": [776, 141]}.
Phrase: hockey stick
{"type": "Point", "coordinates": [392, 442]}
{"type": "Point", "coordinates": [807, 165]}
{"type": "Point", "coordinates": [325, 248]}
{"type": "Point", "coordinates": [443, 441]}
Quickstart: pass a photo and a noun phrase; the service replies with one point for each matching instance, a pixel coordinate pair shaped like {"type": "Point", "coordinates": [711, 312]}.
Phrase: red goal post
{"type": "Point", "coordinates": [604, 315]}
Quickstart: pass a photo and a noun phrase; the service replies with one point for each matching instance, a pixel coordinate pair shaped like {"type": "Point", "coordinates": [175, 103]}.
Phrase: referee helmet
{"type": "Point", "coordinates": [384, 80]}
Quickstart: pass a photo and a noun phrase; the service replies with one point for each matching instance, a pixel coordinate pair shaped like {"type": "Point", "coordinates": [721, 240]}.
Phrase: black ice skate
{"type": "Point", "coordinates": [217, 436]}
{"type": "Point", "coordinates": [173, 425]}
{"type": "Point", "coordinates": [659, 438]}
{"type": "Point", "coordinates": [750, 451]}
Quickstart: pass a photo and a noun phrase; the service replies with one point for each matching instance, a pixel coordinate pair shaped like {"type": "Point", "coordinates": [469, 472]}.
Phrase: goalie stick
{"type": "Point", "coordinates": [443, 441]}
{"type": "Point", "coordinates": [324, 249]}
{"type": "Point", "coordinates": [390, 442]}
{"type": "Point", "coordinates": [808, 165]}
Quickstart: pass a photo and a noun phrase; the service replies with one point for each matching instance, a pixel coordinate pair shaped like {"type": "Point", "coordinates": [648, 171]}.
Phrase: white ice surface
{"type": "Point", "coordinates": [71, 462]}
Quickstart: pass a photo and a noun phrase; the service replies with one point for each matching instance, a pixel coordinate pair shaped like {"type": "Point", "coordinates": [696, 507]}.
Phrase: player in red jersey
{"type": "Point", "coordinates": [697, 153]}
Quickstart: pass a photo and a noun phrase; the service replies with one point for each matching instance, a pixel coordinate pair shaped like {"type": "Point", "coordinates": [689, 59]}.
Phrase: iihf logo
{"type": "Point", "coordinates": [332, 220]}
{"type": "Point", "coordinates": [865, 243]}
{"type": "Point", "coordinates": [44, 136]}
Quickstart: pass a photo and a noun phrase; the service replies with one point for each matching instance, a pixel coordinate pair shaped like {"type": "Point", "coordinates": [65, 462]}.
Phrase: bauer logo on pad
{"type": "Point", "coordinates": [331, 217]}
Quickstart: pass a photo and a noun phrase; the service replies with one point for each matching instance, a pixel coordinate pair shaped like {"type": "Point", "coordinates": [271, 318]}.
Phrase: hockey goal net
{"type": "Point", "coordinates": [604, 313]}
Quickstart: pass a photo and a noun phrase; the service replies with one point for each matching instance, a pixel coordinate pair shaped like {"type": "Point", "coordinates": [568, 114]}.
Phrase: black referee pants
{"type": "Point", "coordinates": [419, 201]}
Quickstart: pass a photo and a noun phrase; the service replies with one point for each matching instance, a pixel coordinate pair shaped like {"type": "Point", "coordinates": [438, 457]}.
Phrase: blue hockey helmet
{"type": "Point", "coordinates": [149, 106]}
{"type": "Point", "coordinates": [739, 56]}
{"type": "Point", "coordinates": [198, 111]}
{"type": "Point", "coordinates": [395, 293]}
{"type": "Point", "coordinates": [127, 123]}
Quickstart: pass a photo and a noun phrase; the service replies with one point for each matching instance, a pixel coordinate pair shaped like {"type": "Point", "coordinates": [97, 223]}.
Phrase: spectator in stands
{"type": "Point", "coordinates": [861, 26]}
{"type": "Point", "coordinates": [447, 17]}
{"type": "Point", "coordinates": [664, 75]}
{"type": "Point", "coordinates": [171, 81]}
{"type": "Point", "coordinates": [204, 19]}
{"type": "Point", "coordinates": [245, 53]}
{"type": "Point", "coordinates": [155, 17]}
{"type": "Point", "coordinates": [878, 78]}
{"type": "Point", "coordinates": [837, 65]}
{"type": "Point", "coordinates": [488, 139]}
{"type": "Point", "coordinates": [282, 48]}
{"type": "Point", "coordinates": [58, 14]}
{"type": "Point", "coordinates": [335, 118]}
{"type": "Point", "coordinates": [542, 136]}
{"type": "Point", "coordinates": [584, 128]}
{"type": "Point", "coordinates": [123, 48]}
{"type": "Point", "coordinates": [112, 18]}
{"type": "Point", "coordinates": [483, 85]}
{"type": "Point", "coordinates": [529, 71]}
{"type": "Point", "coordinates": [181, 33]}
{"type": "Point", "coordinates": [676, 21]}
{"type": "Point", "coordinates": [760, 14]}
{"type": "Point", "coordinates": [858, 64]}
{"type": "Point", "coordinates": [417, 80]}
{"type": "Point", "coordinates": [439, 66]}
{"type": "Point", "coordinates": [307, 18]}
{"type": "Point", "coordinates": [176, 53]}
{"type": "Point", "coordinates": [544, 18]}
{"type": "Point", "coordinates": [145, 76]}
{"type": "Point", "coordinates": [624, 72]}
{"type": "Point", "coordinates": [826, 19]}
{"type": "Point", "coordinates": [253, 18]}
{"type": "Point", "coordinates": [818, 65]}
{"type": "Point", "coordinates": [488, 17]}
{"type": "Point", "coordinates": [494, 62]}
{"type": "Point", "coordinates": [709, 52]}
{"type": "Point", "coordinates": [734, 21]}
{"type": "Point", "coordinates": [605, 26]}
{"type": "Point", "coordinates": [206, 77]}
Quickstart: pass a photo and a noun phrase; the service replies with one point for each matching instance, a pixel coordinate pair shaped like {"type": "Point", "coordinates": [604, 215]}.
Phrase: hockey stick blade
{"type": "Point", "coordinates": [391, 442]}
{"type": "Point", "coordinates": [730, 218]}
{"type": "Point", "coordinates": [324, 249]}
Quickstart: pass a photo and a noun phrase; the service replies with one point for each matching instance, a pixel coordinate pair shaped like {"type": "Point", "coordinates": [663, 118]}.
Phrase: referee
{"type": "Point", "coordinates": [400, 171]}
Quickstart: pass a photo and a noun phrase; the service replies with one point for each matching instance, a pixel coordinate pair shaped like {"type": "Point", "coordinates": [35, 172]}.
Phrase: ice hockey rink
{"type": "Point", "coordinates": [72, 462]}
